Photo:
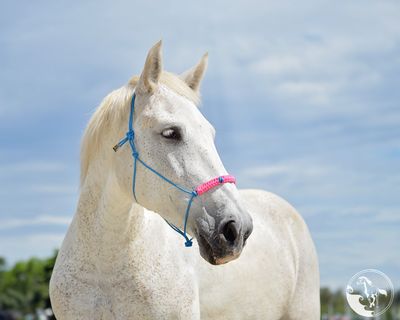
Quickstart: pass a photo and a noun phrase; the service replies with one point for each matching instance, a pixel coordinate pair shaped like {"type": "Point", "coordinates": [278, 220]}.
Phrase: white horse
{"type": "Point", "coordinates": [371, 293]}
{"type": "Point", "coordinates": [120, 260]}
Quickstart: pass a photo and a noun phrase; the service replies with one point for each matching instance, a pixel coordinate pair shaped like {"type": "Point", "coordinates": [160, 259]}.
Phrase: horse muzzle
{"type": "Point", "coordinates": [225, 243]}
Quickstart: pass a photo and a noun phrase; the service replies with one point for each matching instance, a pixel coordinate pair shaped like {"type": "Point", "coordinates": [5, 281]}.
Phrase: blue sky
{"type": "Point", "coordinates": [305, 100]}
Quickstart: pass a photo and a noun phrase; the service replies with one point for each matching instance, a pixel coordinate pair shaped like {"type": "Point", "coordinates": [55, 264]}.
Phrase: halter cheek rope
{"type": "Point", "coordinates": [203, 188]}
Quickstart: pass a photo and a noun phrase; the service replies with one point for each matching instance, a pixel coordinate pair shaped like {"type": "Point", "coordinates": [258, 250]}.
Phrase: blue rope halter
{"type": "Point", "coordinates": [130, 137]}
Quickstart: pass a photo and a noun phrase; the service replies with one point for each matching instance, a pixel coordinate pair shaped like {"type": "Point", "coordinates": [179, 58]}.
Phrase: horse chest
{"type": "Point", "coordinates": [157, 287]}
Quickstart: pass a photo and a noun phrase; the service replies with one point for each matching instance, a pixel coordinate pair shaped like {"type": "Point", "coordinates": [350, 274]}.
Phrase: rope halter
{"type": "Point", "coordinates": [198, 191]}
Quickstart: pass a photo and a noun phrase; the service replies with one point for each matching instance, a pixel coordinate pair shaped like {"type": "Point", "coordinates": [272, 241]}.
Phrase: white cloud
{"type": "Point", "coordinates": [299, 170]}
{"type": "Point", "coordinates": [23, 167]}
{"type": "Point", "coordinates": [316, 93]}
{"type": "Point", "coordinates": [278, 65]}
{"type": "Point", "coordinates": [318, 73]}
{"type": "Point", "coordinates": [38, 176]}
{"type": "Point", "coordinates": [42, 220]}
{"type": "Point", "coordinates": [61, 189]}
{"type": "Point", "coordinates": [31, 245]}
{"type": "Point", "coordinates": [265, 171]}
{"type": "Point", "coordinates": [315, 50]}
{"type": "Point", "coordinates": [391, 215]}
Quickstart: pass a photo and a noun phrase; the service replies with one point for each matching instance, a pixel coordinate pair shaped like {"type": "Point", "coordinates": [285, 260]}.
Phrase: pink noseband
{"type": "Point", "coordinates": [207, 186]}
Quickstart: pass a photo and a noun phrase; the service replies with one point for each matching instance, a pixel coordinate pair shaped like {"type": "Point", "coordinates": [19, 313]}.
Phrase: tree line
{"type": "Point", "coordinates": [24, 287]}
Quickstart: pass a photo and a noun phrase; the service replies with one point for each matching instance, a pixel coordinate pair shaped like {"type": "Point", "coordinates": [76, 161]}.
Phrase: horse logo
{"type": "Point", "coordinates": [370, 293]}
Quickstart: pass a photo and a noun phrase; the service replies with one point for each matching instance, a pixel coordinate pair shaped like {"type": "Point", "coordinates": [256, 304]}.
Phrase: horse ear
{"type": "Point", "coordinates": [152, 70]}
{"type": "Point", "coordinates": [193, 76]}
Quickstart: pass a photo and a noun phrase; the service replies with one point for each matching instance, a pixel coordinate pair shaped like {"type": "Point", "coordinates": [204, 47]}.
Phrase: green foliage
{"type": "Point", "coordinates": [25, 287]}
{"type": "Point", "coordinates": [334, 303]}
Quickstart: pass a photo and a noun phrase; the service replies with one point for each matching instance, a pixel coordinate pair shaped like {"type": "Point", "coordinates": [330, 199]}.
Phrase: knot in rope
{"type": "Point", "coordinates": [130, 135]}
{"type": "Point", "coordinates": [188, 243]}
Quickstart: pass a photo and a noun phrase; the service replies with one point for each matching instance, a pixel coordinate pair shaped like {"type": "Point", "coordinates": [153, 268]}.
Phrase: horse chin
{"type": "Point", "coordinates": [227, 259]}
{"type": "Point", "coordinates": [209, 254]}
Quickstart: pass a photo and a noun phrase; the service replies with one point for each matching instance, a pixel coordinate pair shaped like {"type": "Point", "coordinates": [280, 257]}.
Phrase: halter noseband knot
{"type": "Point", "coordinates": [135, 154]}
{"type": "Point", "coordinates": [203, 188]}
{"type": "Point", "coordinates": [130, 135]}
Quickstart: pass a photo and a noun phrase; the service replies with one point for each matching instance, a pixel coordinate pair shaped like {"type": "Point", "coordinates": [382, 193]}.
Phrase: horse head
{"type": "Point", "coordinates": [176, 143]}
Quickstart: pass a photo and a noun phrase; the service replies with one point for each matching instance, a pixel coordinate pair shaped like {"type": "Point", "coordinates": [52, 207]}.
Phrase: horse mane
{"type": "Point", "coordinates": [114, 108]}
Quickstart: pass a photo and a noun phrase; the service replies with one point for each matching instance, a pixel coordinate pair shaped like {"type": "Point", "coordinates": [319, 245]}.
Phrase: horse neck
{"type": "Point", "coordinates": [106, 217]}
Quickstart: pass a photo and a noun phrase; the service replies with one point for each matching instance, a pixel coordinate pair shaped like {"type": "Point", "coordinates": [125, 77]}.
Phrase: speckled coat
{"type": "Point", "coordinates": [120, 260]}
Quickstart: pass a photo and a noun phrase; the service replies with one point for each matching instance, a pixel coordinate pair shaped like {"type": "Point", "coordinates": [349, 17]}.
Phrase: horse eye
{"type": "Point", "coordinates": [172, 134]}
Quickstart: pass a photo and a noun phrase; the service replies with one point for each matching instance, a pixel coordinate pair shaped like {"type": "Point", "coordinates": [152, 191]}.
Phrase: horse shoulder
{"type": "Point", "coordinates": [290, 227]}
{"type": "Point", "coordinates": [268, 205]}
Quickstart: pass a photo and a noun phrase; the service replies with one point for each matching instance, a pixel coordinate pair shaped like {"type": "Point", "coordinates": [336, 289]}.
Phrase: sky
{"type": "Point", "coordinates": [304, 98]}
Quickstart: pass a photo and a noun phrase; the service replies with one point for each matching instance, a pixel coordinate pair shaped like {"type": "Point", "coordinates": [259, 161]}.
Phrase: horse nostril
{"type": "Point", "coordinates": [230, 232]}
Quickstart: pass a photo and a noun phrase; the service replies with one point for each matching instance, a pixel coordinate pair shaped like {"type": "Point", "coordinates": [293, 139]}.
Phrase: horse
{"type": "Point", "coordinates": [371, 293]}
{"type": "Point", "coordinates": [251, 255]}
